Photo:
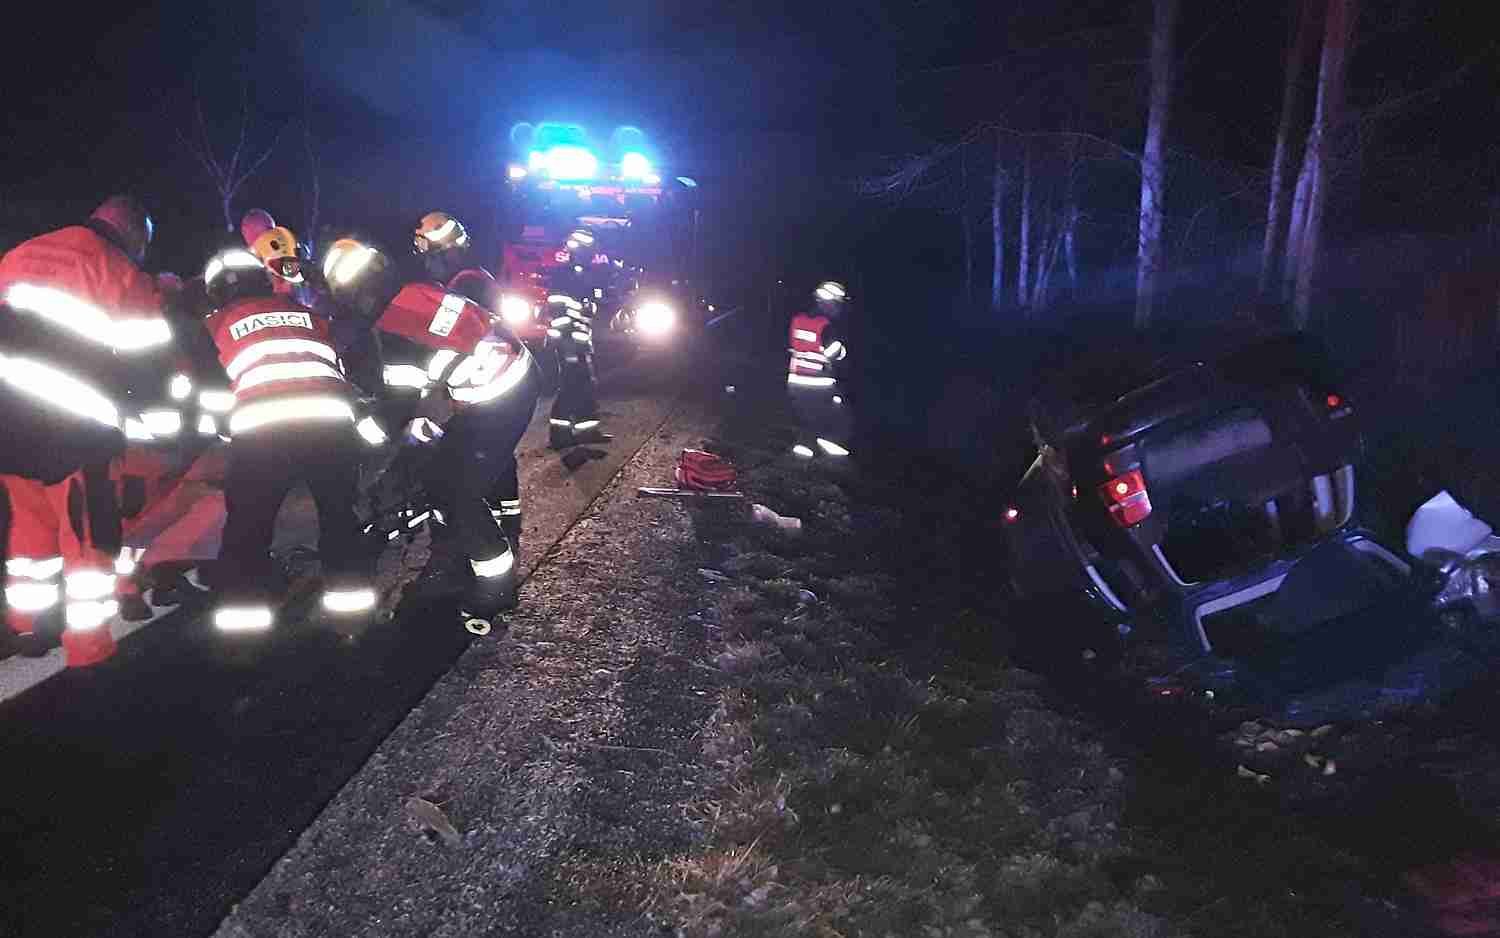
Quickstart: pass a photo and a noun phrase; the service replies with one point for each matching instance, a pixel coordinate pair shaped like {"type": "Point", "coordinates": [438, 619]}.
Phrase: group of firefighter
{"type": "Point", "coordinates": [315, 362]}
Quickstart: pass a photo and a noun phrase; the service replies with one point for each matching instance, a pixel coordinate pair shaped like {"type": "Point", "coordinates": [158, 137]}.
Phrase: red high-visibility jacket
{"type": "Point", "coordinates": [815, 344]}
{"type": "Point", "coordinates": [479, 285]}
{"type": "Point", "coordinates": [430, 337]}
{"type": "Point", "coordinates": [78, 317]}
{"type": "Point", "coordinates": [280, 360]}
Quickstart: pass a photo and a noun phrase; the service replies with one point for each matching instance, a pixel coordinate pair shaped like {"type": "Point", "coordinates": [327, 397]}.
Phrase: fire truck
{"type": "Point", "coordinates": [601, 222]}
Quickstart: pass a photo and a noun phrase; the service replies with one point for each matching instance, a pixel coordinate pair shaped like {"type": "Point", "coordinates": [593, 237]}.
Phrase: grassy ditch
{"type": "Point", "coordinates": [880, 769]}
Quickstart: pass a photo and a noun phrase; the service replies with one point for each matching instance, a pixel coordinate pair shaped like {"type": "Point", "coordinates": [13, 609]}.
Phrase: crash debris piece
{"type": "Point", "coordinates": [1257, 777]}
{"type": "Point", "coordinates": [760, 514]}
{"type": "Point", "coordinates": [430, 818]}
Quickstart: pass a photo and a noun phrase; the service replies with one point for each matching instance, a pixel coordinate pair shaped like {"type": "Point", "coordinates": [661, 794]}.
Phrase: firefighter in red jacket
{"type": "Point", "coordinates": [78, 313]}
{"type": "Point", "coordinates": [442, 242]}
{"type": "Point", "coordinates": [816, 344]}
{"type": "Point", "coordinates": [472, 389]}
{"type": "Point", "coordinates": [294, 420]}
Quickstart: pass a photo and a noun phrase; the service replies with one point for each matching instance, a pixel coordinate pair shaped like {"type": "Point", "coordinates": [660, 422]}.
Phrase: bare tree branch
{"type": "Point", "coordinates": [229, 173]}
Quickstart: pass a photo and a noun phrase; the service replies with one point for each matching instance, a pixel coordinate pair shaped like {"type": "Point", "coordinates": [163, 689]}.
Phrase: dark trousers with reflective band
{"type": "Point", "coordinates": [819, 416]}
{"type": "Point", "coordinates": [264, 466]}
{"type": "Point", "coordinates": [474, 464]}
{"type": "Point", "coordinates": [575, 402]}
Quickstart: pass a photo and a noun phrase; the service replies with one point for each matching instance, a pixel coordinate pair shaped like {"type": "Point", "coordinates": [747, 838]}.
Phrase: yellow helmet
{"type": "Point", "coordinates": [438, 231]}
{"type": "Point", "coordinates": [277, 249]}
{"type": "Point", "coordinates": [347, 261]}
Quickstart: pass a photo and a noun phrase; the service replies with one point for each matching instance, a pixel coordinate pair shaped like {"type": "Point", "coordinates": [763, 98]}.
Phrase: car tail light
{"type": "Point", "coordinates": [1333, 401]}
{"type": "Point", "coordinates": [1127, 499]}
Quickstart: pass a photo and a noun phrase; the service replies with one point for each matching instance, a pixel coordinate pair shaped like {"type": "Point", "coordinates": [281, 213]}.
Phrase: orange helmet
{"type": "Point", "coordinates": [131, 223]}
{"type": "Point", "coordinates": [277, 249]}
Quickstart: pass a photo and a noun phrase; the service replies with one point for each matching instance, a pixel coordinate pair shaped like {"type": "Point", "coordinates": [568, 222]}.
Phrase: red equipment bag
{"type": "Point", "coordinates": [704, 471]}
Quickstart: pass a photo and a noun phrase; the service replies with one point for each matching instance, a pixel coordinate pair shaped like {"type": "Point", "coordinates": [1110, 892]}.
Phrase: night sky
{"type": "Point", "coordinates": [776, 107]}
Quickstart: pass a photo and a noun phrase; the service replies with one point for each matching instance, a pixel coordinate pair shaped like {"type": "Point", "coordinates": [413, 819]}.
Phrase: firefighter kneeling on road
{"type": "Point", "coordinates": [575, 410]}
{"type": "Point", "coordinates": [816, 345]}
{"type": "Point", "coordinates": [294, 420]}
{"type": "Point", "coordinates": [472, 389]}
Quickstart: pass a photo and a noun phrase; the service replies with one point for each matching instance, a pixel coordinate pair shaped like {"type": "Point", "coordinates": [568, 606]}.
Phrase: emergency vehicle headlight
{"type": "Point", "coordinates": [514, 309]}
{"type": "Point", "coordinates": [218, 402]}
{"type": "Point", "coordinates": [655, 319]}
{"type": "Point", "coordinates": [180, 387]}
{"type": "Point", "coordinates": [571, 162]}
{"type": "Point", "coordinates": [162, 422]}
{"type": "Point", "coordinates": [635, 166]}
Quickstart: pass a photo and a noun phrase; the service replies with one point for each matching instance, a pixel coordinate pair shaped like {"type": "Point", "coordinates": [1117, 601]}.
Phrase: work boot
{"type": "Point", "coordinates": [176, 588]}
{"type": "Point", "coordinates": [587, 431]}
{"type": "Point", "coordinates": [45, 635]}
{"type": "Point", "coordinates": [133, 608]}
{"type": "Point", "coordinates": [444, 575]}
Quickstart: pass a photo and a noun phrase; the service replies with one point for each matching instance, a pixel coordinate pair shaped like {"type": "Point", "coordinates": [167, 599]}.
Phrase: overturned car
{"type": "Point", "coordinates": [1205, 503]}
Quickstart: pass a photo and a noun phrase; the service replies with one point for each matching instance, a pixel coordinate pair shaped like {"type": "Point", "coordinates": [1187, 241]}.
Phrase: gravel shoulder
{"type": "Point", "coordinates": [540, 762]}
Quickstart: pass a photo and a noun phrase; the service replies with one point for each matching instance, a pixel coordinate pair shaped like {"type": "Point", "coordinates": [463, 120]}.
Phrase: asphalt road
{"type": "Point", "coordinates": [147, 795]}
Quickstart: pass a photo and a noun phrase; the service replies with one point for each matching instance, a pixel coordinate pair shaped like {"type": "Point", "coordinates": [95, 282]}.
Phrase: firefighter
{"type": "Point", "coordinates": [294, 420]}
{"type": "Point", "coordinates": [442, 242]}
{"type": "Point", "coordinates": [575, 409]}
{"type": "Point", "coordinates": [471, 388]}
{"type": "Point", "coordinates": [77, 313]}
{"type": "Point", "coordinates": [817, 348]}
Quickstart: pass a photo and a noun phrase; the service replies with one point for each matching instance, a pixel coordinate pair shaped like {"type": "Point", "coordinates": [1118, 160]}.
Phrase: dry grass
{"type": "Point", "coordinates": [874, 778]}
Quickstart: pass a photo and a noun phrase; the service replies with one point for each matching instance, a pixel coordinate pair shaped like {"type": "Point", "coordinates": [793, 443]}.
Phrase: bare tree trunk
{"type": "Point", "coordinates": [1303, 38]}
{"type": "Point", "coordinates": [968, 224]}
{"type": "Point", "coordinates": [1153, 161]}
{"type": "Point", "coordinates": [1023, 262]}
{"type": "Point", "coordinates": [1070, 255]}
{"type": "Point", "coordinates": [226, 200]}
{"type": "Point", "coordinates": [314, 186]}
{"type": "Point", "coordinates": [1326, 117]}
{"type": "Point", "coordinates": [997, 231]}
{"type": "Point", "coordinates": [1296, 226]}
{"type": "Point", "coordinates": [1048, 262]}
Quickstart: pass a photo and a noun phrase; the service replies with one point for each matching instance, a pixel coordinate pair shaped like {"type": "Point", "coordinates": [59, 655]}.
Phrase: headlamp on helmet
{"type": "Point", "coordinates": [277, 249]}
{"type": "Point", "coordinates": [437, 232]}
{"type": "Point", "coordinates": [831, 291]}
{"type": "Point", "coordinates": [346, 262]}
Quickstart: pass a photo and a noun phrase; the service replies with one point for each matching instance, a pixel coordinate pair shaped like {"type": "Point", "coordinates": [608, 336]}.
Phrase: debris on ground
{"type": "Point", "coordinates": [760, 514]}
{"type": "Point", "coordinates": [430, 819]}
